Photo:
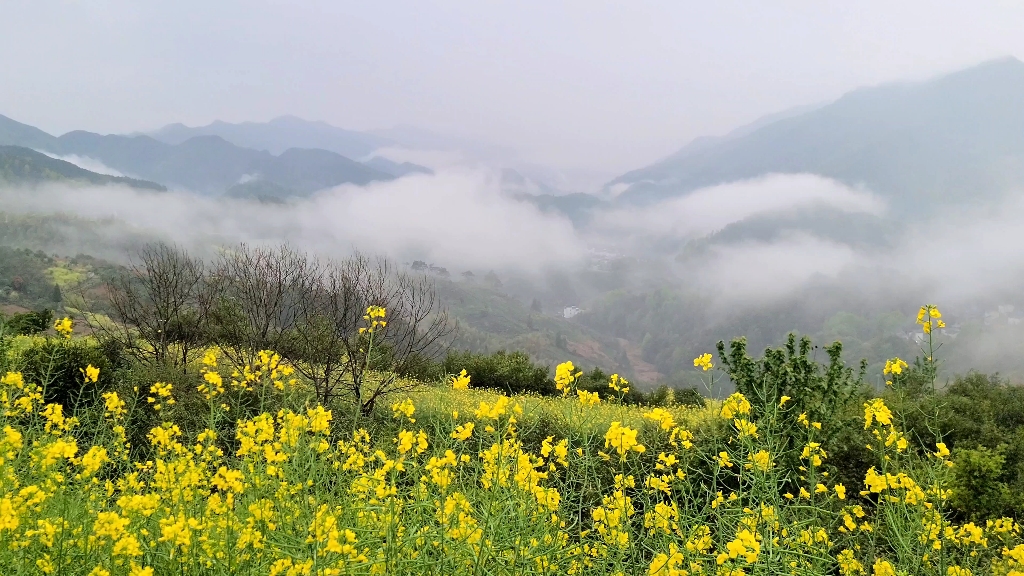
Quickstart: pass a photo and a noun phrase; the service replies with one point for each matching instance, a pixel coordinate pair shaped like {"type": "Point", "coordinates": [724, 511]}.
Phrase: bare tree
{"type": "Point", "coordinates": [258, 295]}
{"type": "Point", "coordinates": [329, 317]}
{"type": "Point", "coordinates": [162, 304]}
{"type": "Point", "coordinates": [311, 312]}
{"type": "Point", "coordinates": [417, 326]}
{"type": "Point", "coordinates": [337, 356]}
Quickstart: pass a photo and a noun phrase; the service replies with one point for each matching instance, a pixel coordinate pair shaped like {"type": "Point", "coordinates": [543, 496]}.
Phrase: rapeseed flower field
{"type": "Point", "coordinates": [448, 479]}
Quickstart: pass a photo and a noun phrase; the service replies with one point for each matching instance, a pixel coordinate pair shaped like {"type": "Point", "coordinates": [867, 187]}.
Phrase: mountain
{"type": "Point", "coordinates": [577, 207]}
{"type": "Point", "coordinates": [421, 139]}
{"type": "Point", "coordinates": [307, 171]}
{"type": "Point", "coordinates": [211, 164]}
{"type": "Point", "coordinates": [204, 163]}
{"type": "Point", "coordinates": [947, 140]}
{"type": "Point", "coordinates": [20, 165]}
{"type": "Point", "coordinates": [279, 135]}
{"type": "Point", "coordinates": [13, 133]}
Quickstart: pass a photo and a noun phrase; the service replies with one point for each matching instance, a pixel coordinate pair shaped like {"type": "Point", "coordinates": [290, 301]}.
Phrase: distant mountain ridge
{"type": "Point", "coordinates": [279, 135]}
{"type": "Point", "coordinates": [205, 163]}
{"type": "Point", "coordinates": [949, 139]}
{"type": "Point", "coordinates": [19, 165]}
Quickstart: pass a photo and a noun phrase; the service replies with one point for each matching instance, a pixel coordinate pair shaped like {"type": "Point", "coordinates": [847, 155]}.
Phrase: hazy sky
{"type": "Point", "coordinates": [585, 85]}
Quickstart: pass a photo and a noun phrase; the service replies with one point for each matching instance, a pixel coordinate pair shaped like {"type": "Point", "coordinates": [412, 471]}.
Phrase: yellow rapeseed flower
{"type": "Point", "coordinates": [703, 362]}
{"type": "Point", "coordinates": [745, 428]}
{"type": "Point", "coordinates": [460, 382]}
{"type": "Point", "coordinates": [929, 317]}
{"type": "Point", "coordinates": [723, 460]}
{"type": "Point", "coordinates": [488, 411]}
{"type": "Point", "coordinates": [848, 564]}
{"type": "Point", "coordinates": [91, 373]}
{"type": "Point", "coordinates": [588, 398]}
{"type": "Point", "coordinates": [761, 460]}
{"type": "Point", "coordinates": [114, 406]}
{"type": "Point", "coordinates": [463, 431]}
{"type": "Point", "coordinates": [876, 410]}
{"type": "Point", "coordinates": [623, 439]}
{"type": "Point", "coordinates": [618, 384]}
{"type": "Point", "coordinates": [735, 404]}
{"type": "Point", "coordinates": [161, 394]}
{"type": "Point", "coordinates": [894, 366]}
{"type": "Point", "coordinates": [882, 568]}
{"type": "Point", "coordinates": [565, 377]}
{"type": "Point", "coordinates": [671, 564]}
{"type": "Point", "coordinates": [662, 417]}
{"type": "Point", "coordinates": [64, 327]}
{"type": "Point", "coordinates": [404, 408]}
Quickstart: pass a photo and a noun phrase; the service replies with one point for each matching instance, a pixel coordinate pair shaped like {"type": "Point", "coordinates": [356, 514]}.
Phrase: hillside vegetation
{"type": "Point", "coordinates": [228, 468]}
{"type": "Point", "coordinates": [23, 166]}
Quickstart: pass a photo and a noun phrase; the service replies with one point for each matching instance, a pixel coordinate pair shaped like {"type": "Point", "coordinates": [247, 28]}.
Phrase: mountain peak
{"type": "Point", "coordinates": [939, 140]}
{"type": "Point", "coordinates": [15, 133]}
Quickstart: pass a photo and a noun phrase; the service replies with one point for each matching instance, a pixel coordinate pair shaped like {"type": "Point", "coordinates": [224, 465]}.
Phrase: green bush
{"type": "Point", "coordinates": [826, 393]}
{"type": "Point", "coordinates": [512, 373]}
{"type": "Point", "coordinates": [422, 368]}
{"type": "Point", "coordinates": [27, 323]}
{"type": "Point", "coordinates": [58, 365]}
{"type": "Point", "coordinates": [981, 419]}
{"type": "Point", "coordinates": [687, 397]}
{"type": "Point", "coordinates": [979, 490]}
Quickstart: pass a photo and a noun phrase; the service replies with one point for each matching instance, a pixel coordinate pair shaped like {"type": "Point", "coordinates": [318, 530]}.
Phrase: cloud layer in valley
{"type": "Point", "coordinates": [460, 219]}
{"type": "Point", "coordinates": [709, 209]}
{"type": "Point", "coordinates": [457, 218]}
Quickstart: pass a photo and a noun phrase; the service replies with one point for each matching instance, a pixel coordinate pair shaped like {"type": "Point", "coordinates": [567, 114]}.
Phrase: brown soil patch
{"type": "Point", "coordinates": [11, 309]}
{"type": "Point", "coordinates": [644, 371]}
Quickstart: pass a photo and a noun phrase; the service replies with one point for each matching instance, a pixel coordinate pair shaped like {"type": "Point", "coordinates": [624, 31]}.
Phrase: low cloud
{"type": "Point", "coordinates": [966, 254]}
{"type": "Point", "coordinates": [86, 163]}
{"type": "Point", "coordinates": [458, 218]}
{"type": "Point", "coordinates": [960, 257]}
{"type": "Point", "coordinates": [754, 273]}
{"type": "Point", "coordinates": [709, 209]}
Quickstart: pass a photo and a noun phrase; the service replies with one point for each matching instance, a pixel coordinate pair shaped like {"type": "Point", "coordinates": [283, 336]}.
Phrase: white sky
{"type": "Point", "coordinates": [585, 85]}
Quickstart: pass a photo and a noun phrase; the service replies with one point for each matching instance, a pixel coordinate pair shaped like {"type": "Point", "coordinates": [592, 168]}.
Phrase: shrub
{"type": "Point", "coordinates": [978, 487]}
{"type": "Point", "coordinates": [422, 368]}
{"type": "Point", "coordinates": [597, 381]}
{"type": "Point", "coordinates": [58, 365]}
{"type": "Point", "coordinates": [27, 323]}
{"type": "Point", "coordinates": [981, 418]}
{"type": "Point", "coordinates": [687, 397]}
{"type": "Point", "coordinates": [512, 372]}
{"type": "Point", "coordinates": [825, 395]}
